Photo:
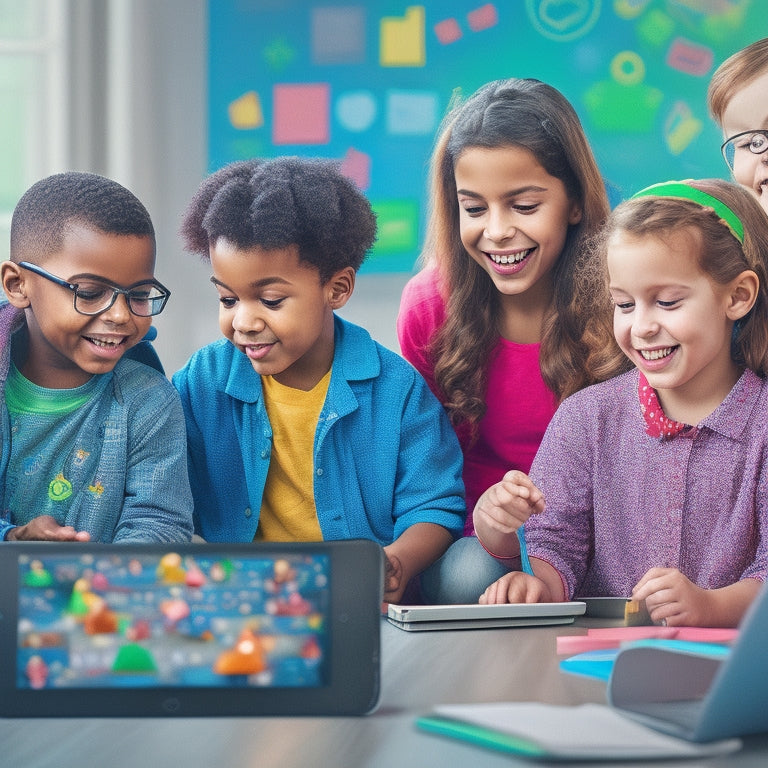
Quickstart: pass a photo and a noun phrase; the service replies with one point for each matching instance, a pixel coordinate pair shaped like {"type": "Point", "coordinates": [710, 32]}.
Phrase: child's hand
{"type": "Point", "coordinates": [506, 506]}
{"type": "Point", "coordinates": [516, 587]}
{"type": "Point", "coordinates": [45, 528]}
{"type": "Point", "coordinates": [393, 578]}
{"type": "Point", "coordinates": [672, 599]}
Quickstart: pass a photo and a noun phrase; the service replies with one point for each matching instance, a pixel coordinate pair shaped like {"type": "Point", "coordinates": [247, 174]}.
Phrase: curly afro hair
{"type": "Point", "coordinates": [49, 206]}
{"type": "Point", "coordinates": [282, 202]}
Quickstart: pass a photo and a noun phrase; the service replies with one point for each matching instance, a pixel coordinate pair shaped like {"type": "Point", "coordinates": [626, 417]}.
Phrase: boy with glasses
{"type": "Point", "coordinates": [738, 101]}
{"type": "Point", "coordinates": [92, 445]}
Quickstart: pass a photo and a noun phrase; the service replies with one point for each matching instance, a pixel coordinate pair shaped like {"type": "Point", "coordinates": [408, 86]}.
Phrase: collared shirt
{"type": "Point", "coordinates": [619, 502]}
{"type": "Point", "coordinates": [385, 456]}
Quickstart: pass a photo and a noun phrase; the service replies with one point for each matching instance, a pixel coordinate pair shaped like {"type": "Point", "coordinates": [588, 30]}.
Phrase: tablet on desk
{"type": "Point", "coordinates": [189, 629]}
{"type": "Point", "coordinates": [476, 616]}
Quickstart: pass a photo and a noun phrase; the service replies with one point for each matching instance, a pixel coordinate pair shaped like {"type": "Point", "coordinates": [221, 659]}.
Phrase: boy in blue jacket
{"type": "Point", "coordinates": [92, 444]}
{"type": "Point", "coordinates": [300, 426]}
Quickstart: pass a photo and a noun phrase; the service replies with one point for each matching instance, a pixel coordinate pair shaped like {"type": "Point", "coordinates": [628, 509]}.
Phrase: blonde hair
{"type": "Point", "coordinates": [535, 116]}
{"type": "Point", "coordinates": [735, 73]}
{"type": "Point", "coordinates": [721, 256]}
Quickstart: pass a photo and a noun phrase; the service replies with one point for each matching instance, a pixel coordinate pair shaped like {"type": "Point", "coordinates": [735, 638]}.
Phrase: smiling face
{"type": "Point", "coordinates": [672, 321]}
{"type": "Point", "coordinates": [746, 111]}
{"type": "Point", "coordinates": [64, 347]}
{"type": "Point", "coordinates": [276, 311]}
{"type": "Point", "coordinates": [513, 217]}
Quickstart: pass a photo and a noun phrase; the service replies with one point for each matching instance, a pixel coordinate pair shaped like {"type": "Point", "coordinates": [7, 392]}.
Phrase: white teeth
{"type": "Point", "coordinates": [656, 354]}
{"type": "Point", "coordinates": [511, 259]}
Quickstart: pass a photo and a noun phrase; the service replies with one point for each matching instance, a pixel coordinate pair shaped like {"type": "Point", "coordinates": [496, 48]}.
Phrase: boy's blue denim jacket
{"type": "Point", "coordinates": [385, 454]}
{"type": "Point", "coordinates": [142, 472]}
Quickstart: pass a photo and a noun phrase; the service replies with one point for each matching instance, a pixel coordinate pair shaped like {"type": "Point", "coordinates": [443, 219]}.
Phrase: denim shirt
{"type": "Point", "coordinates": [385, 454]}
{"type": "Point", "coordinates": [139, 429]}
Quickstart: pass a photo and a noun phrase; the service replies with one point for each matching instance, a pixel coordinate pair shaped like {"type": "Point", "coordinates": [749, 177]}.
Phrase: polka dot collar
{"type": "Point", "coordinates": [657, 424]}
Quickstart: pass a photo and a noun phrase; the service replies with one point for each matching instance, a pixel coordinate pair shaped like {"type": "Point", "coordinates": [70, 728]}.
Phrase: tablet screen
{"type": "Point", "coordinates": [150, 619]}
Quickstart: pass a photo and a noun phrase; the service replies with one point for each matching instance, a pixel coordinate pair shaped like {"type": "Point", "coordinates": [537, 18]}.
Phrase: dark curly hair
{"type": "Point", "coordinates": [281, 202]}
{"type": "Point", "coordinates": [45, 211]}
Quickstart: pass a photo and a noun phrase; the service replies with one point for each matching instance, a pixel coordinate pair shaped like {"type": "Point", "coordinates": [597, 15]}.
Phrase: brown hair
{"type": "Point", "coordinates": [736, 72]}
{"type": "Point", "coordinates": [721, 256]}
{"type": "Point", "coordinates": [535, 116]}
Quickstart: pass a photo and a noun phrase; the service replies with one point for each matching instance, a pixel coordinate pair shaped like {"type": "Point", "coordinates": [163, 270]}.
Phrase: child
{"type": "Point", "coordinates": [493, 322]}
{"type": "Point", "coordinates": [93, 445]}
{"type": "Point", "coordinates": [300, 426]}
{"type": "Point", "coordinates": [738, 101]}
{"type": "Point", "coordinates": [656, 482]}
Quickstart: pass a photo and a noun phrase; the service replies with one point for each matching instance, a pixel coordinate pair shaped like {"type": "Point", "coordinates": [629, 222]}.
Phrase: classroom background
{"type": "Point", "coordinates": [157, 93]}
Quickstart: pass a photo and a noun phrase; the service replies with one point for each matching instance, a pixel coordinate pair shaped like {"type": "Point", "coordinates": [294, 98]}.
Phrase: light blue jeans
{"type": "Point", "coordinates": [461, 575]}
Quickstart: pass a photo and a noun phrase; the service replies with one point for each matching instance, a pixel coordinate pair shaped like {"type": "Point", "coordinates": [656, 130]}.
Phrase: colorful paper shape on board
{"type": "Point", "coordinates": [563, 20]}
{"type": "Point", "coordinates": [356, 110]}
{"type": "Point", "coordinates": [279, 54]}
{"type": "Point", "coordinates": [655, 28]}
{"type": "Point", "coordinates": [483, 17]}
{"type": "Point", "coordinates": [681, 127]}
{"type": "Point", "coordinates": [447, 31]}
{"type": "Point", "coordinates": [629, 108]}
{"type": "Point", "coordinates": [245, 113]}
{"type": "Point", "coordinates": [357, 166]}
{"type": "Point", "coordinates": [398, 226]}
{"type": "Point", "coordinates": [301, 113]}
{"type": "Point", "coordinates": [690, 58]}
{"type": "Point", "coordinates": [338, 35]}
{"type": "Point", "coordinates": [401, 39]}
{"type": "Point", "coordinates": [411, 113]}
{"type": "Point", "coordinates": [629, 9]}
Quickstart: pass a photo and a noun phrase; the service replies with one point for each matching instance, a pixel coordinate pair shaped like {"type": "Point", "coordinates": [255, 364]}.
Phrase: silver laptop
{"type": "Point", "coordinates": [475, 616]}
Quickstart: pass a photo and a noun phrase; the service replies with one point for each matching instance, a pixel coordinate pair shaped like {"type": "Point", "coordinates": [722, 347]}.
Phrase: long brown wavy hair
{"type": "Point", "coordinates": [577, 344]}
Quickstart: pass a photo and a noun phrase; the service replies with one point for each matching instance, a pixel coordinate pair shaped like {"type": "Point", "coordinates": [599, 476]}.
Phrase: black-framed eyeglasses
{"type": "Point", "coordinates": [92, 296]}
{"type": "Point", "coordinates": [754, 142]}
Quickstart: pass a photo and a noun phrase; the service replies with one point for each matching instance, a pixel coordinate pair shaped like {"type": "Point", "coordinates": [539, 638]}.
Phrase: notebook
{"type": "Point", "coordinates": [414, 618]}
{"type": "Point", "coordinates": [189, 629]}
{"type": "Point", "coordinates": [691, 692]}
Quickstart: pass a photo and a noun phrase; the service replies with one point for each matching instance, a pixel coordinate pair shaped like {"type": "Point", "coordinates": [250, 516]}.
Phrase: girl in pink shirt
{"type": "Point", "coordinates": [496, 320]}
{"type": "Point", "coordinates": [656, 482]}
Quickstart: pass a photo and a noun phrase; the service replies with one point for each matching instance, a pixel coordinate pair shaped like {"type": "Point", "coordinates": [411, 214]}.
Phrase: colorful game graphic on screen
{"type": "Point", "coordinates": [164, 620]}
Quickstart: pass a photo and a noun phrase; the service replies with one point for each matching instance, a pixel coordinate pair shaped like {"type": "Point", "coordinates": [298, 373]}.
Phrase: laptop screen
{"type": "Point", "coordinates": [152, 619]}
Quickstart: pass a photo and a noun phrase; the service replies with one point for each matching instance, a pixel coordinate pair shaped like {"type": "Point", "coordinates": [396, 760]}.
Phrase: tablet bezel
{"type": "Point", "coordinates": [356, 588]}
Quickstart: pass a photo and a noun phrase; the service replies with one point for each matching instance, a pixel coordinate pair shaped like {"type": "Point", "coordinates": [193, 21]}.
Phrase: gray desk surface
{"type": "Point", "coordinates": [419, 670]}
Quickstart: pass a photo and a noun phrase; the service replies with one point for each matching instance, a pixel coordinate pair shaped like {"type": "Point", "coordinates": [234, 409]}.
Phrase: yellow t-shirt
{"type": "Point", "coordinates": [288, 505]}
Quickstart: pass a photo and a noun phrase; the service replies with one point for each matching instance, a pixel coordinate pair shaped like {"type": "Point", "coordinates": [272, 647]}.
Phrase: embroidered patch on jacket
{"type": "Point", "coordinates": [60, 488]}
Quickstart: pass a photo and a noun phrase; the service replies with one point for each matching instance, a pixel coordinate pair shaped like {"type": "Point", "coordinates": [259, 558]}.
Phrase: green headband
{"type": "Point", "coordinates": [684, 191]}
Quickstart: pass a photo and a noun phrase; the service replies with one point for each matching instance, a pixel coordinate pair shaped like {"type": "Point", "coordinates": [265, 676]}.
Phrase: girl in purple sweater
{"type": "Point", "coordinates": [656, 481]}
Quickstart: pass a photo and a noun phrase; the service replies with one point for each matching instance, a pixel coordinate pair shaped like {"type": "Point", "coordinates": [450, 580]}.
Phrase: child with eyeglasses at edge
{"type": "Point", "coordinates": [92, 443]}
{"type": "Point", "coordinates": [301, 427]}
{"type": "Point", "coordinates": [654, 484]}
{"type": "Point", "coordinates": [738, 101]}
{"type": "Point", "coordinates": [493, 320]}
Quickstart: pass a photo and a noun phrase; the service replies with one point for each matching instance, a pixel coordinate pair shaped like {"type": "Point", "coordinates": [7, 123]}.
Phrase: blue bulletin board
{"type": "Point", "coordinates": [368, 83]}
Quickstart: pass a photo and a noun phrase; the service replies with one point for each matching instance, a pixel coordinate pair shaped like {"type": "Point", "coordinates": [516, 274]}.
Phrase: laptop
{"type": "Point", "coordinates": [129, 630]}
{"type": "Point", "coordinates": [693, 692]}
{"type": "Point", "coordinates": [415, 618]}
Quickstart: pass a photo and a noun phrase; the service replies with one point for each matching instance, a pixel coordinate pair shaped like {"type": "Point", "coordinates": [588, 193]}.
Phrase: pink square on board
{"type": "Point", "coordinates": [300, 114]}
{"type": "Point", "coordinates": [447, 31]}
{"type": "Point", "coordinates": [483, 17]}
